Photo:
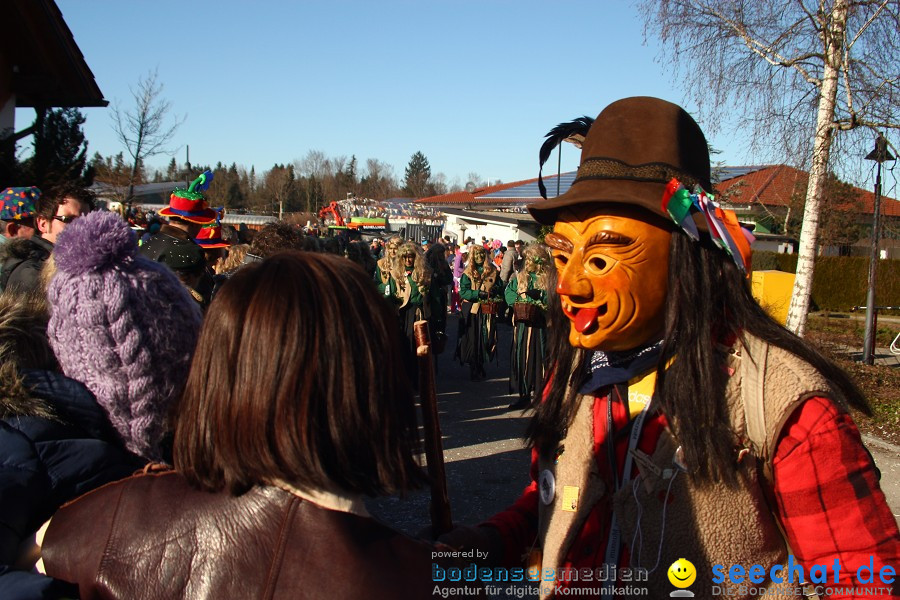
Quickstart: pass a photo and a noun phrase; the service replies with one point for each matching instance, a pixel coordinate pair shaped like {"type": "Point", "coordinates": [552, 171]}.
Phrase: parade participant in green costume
{"type": "Point", "coordinates": [408, 285]}
{"type": "Point", "coordinates": [479, 285]}
{"type": "Point", "coordinates": [528, 290]}
{"type": "Point", "coordinates": [383, 266]}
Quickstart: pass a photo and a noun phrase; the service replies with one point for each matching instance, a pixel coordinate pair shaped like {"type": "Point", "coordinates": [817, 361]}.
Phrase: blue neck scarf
{"type": "Point", "coordinates": [610, 368]}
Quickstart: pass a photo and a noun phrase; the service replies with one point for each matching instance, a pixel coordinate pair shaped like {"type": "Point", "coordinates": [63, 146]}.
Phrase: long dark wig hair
{"type": "Point", "coordinates": [709, 301]}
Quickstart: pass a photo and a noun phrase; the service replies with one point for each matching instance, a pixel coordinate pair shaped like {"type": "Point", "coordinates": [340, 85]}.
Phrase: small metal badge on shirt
{"type": "Point", "coordinates": [547, 486]}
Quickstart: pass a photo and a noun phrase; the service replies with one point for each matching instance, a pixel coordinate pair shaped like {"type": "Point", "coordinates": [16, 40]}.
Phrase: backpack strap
{"type": "Point", "coordinates": [754, 357]}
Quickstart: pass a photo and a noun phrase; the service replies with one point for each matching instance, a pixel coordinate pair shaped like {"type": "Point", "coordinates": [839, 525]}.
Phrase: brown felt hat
{"type": "Point", "coordinates": [633, 149]}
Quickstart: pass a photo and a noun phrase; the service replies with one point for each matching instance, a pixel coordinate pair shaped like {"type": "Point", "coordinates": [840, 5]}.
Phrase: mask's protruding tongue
{"type": "Point", "coordinates": [585, 318]}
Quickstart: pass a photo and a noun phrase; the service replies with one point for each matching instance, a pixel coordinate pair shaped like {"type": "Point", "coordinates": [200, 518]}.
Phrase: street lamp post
{"type": "Point", "coordinates": [879, 155]}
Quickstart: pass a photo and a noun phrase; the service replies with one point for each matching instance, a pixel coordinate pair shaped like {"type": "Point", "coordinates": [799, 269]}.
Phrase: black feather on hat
{"type": "Point", "coordinates": [631, 152]}
{"type": "Point", "coordinates": [573, 131]}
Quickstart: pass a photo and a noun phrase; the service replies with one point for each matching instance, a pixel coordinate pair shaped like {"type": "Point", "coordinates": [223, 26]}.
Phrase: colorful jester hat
{"type": "Point", "coordinates": [189, 204]}
{"type": "Point", "coordinates": [17, 203]}
{"type": "Point", "coordinates": [211, 235]}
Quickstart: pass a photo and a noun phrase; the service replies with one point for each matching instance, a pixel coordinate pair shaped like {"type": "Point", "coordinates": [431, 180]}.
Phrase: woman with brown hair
{"type": "Point", "coordinates": [296, 407]}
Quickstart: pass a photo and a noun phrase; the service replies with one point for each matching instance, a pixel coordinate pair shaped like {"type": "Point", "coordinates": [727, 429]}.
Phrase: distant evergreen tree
{"type": "Point", "coordinates": [346, 181]}
{"type": "Point", "coordinates": [234, 198]}
{"type": "Point", "coordinates": [418, 174]}
{"type": "Point", "coordinates": [172, 170]}
{"type": "Point", "coordinates": [60, 151]}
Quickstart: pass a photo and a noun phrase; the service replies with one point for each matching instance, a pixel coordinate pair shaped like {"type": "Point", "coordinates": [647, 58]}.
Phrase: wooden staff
{"type": "Point", "coordinates": [434, 452]}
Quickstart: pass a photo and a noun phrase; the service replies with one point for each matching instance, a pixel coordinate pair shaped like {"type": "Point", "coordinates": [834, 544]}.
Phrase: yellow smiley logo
{"type": "Point", "coordinates": [682, 573]}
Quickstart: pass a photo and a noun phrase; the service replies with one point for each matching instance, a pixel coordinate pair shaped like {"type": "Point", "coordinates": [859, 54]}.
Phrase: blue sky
{"type": "Point", "coordinates": [474, 85]}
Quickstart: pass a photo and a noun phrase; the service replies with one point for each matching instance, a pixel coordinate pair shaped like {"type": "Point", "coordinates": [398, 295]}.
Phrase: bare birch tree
{"type": "Point", "coordinates": [145, 130]}
{"type": "Point", "coordinates": [280, 187]}
{"type": "Point", "coordinates": [378, 181]}
{"type": "Point", "coordinates": [794, 73]}
{"type": "Point", "coordinates": [314, 164]}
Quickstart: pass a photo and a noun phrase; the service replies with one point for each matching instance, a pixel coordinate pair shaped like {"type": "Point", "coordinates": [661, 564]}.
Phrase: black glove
{"type": "Point", "coordinates": [534, 294]}
{"type": "Point", "coordinates": [482, 295]}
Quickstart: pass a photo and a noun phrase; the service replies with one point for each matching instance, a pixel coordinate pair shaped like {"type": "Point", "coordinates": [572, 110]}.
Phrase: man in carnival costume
{"type": "Point", "coordinates": [215, 251]}
{"type": "Point", "coordinates": [681, 421]}
{"type": "Point", "coordinates": [526, 294]}
{"type": "Point", "coordinates": [479, 289]}
{"type": "Point", "coordinates": [174, 245]}
{"type": "Point", "coordinates": [187, 212]}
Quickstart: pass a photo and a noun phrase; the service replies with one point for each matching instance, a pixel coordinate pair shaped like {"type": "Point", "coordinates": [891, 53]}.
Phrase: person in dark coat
{"type": "Point", "coordinates": [23, 259]}
{"type": "Point", "coordinates": [122, 330]}
{"type": "Point", "coordinates": [56, 443]}
{"type": "Point", "coordinates": [17, 225]}
{"type": "Point", "coordinates": [215, 250]}
{"type": "Point", "coordinates": [438, 293]}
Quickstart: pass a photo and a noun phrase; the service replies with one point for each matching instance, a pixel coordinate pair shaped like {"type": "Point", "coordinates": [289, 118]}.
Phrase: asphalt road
{"type": "Point", "coordinates": [485, 457]}
{"type": "Point", "coordinates": [486, 460]}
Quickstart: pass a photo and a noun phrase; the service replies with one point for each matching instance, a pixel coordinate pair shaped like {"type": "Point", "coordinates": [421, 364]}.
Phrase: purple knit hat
{"type": "Point", "coordinates": [123, 325]}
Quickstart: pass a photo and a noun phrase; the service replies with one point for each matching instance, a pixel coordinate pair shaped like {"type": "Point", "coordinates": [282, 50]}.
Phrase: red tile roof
{"type": "Point", "coordinates": [771, 185]}
{"type": "Point", "coordinates": [774, 185]}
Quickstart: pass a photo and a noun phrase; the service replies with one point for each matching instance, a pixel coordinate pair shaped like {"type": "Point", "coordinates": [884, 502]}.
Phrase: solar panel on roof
{"type": "Point", "coordinates": [530, 191]}
{"type": "Point", "coordinates": [725, 173]}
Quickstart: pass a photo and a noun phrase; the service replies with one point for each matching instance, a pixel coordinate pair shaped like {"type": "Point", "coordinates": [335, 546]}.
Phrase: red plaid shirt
{"type": "Point", "coordinates": [826, 491]}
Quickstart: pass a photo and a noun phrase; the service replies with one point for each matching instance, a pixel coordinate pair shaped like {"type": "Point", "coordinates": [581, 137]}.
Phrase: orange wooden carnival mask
{"type": "Point", "coordinates": [612, 263]}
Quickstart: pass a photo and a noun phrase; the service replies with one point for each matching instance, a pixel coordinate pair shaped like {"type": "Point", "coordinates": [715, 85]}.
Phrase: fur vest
{"type": "Point", "coordinates": [707, 524]}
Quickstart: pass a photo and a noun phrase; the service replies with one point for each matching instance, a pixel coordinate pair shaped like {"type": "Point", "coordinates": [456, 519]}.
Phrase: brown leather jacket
{"type": "Point", "coordinates": [153, 536]}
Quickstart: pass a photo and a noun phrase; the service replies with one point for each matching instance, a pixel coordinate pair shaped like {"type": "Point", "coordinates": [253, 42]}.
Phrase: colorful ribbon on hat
{"type": "Point", "coordinates": [210, 235]}
{"type": "Point", "coordinates": [724, 229]}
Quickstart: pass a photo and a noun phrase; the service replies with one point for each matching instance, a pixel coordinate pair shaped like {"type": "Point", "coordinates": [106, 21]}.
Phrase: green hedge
{"type": "Point", "coordinates": [840, 282]}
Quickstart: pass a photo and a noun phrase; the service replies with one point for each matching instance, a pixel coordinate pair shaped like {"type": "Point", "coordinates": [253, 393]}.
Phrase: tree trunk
{"type": "Point", "coordinates": [131, 179]}
{"type": "Point", "coordinates": [818, 173]}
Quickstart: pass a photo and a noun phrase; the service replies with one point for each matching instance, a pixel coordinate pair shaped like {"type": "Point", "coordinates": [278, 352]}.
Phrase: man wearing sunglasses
{"type": "Point", "coordinates": [54, 210]}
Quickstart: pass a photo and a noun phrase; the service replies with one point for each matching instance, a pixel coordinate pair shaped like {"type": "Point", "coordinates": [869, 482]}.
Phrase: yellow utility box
{"type": "Point", "coordinates": [772, 289]}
